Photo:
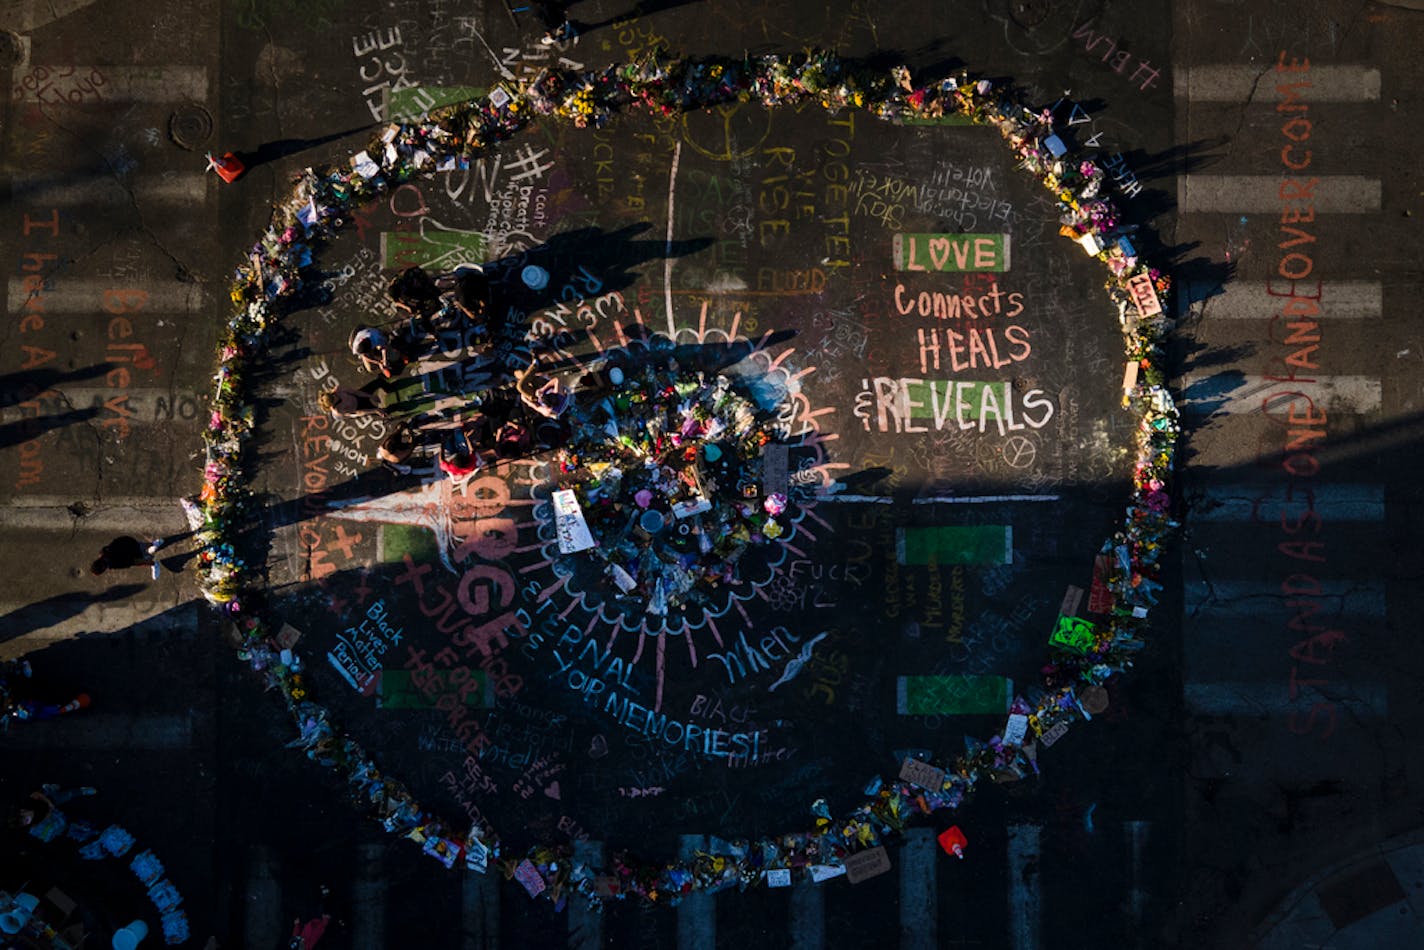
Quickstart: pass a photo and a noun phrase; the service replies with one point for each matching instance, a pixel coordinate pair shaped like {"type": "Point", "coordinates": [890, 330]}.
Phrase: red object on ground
{"type": "Point", "coordinates": [952, 840]}
{"type": "Point", "coordinates": [82, 701]}
{"type": "Point", "coordinates": [229, 167]}
{"type": "Point", "coordinates": [311, 931]}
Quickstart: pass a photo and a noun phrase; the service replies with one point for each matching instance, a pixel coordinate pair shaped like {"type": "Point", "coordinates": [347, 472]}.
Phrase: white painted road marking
{"type": "Point", "coordinates": [808, 916]}
{"type": "Point", "coordinates": [1358, 599]}
{"type": "Point", "coordinates": [1267, 503]}
{"type": "Point", "coordinates": [585, 921]}
{"type": "Point", "coordinates": [262, 916]}
{"type": "Point", "coordinates": [1263, 194]}
{"type": "Point", "coordinates": [697, 914]}
{"type": "Point", "coordinates": [1272, 699]}
{"type": "Point", "coordinates": [368, 900]}
{"type": "Point", "coordinates": [1231, 83]}
{"type": "Point", "coordinates": [918, 921]}
{"type": "Point", "coordinates": [118, 84]}
{"type": "Point", "coordinates": [90, 297]}
{"type": "Point", "coordinates": [1257, 300]}
{"type": "Point", "coordinates": [479, 911]}
{"type": "Point", "coordinates": [1233, 393]}
{"type": "Point", "coordinates": [185, 188]}
{"type": "Point", "coordinates": [1025, 904]}
{"type": "Point", "coordinates": [93, 729]}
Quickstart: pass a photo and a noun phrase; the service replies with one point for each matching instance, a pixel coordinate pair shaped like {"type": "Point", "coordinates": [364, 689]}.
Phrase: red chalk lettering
{"type": "Point", "coordinates": [1309, 650]}
{"type": "Point", "coordinates": [52, 223]}
{"type": "Point", "coordinates": [1288, 160]}
{"type": "Point", "coordinates": [1295, 66]}
{"type": "Point", "coordinates": [35, 356]}
{"type": "Point", "coordinates": [1303, 550]}
{"type": "Point", "coordinates": [125, 301]}
{"type": "Point", "coordinates": [1296, 585]}
{"type": "Point", "coordinates": [1301, 465]}
{"type": "Point", "coordinates": [1295, 266]}
{"type": "Point", "coordinates": [1293, 189]}
{"type": "Point", "coordinates": [1304, 729]}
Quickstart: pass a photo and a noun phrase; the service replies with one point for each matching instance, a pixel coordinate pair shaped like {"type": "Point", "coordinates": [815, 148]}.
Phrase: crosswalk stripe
{"type": "Point", "coordinates": [1238, 698]}
{"type": "Point", "coordinates": [1025, 904]}
{"type": "Point", "coordinates": [95, 84]}
{"type": "Point", "coordinates": [1259, 300]}
{"type": "Point", "coordinates": [808, 916]}
{"type": "Point", "coordinates": [1359, 599]}
{"type": "Point", "coordinates": [918, 921]}
{"type": "Point", "coordinates": [155, 616]}
{"type": "Point", "coordinates": [585, 921]}
{"type": "Point", "coordinates": [1245, 83]}
{"type": "Point", "coordinates": [368, 904]}
{"type": "Point", "coordinates": [139, 405]}
{"type": "Point", "coordinates": [188, 188]}
{"type": "Point", "coordinates": [121, 512]}
{"type": "Point", "coordinates": [1262, 194]}
{"type": "Point", "coordinates": [1234, 393]}
{"type": "Point", "coordinates": [94, 296]}
{"type": "Point", "coordinates": [697, 914]}
{"type": "Point", "coordinates": [1136, 834]}
{"type": "Point", "coordinates": [94, 729]}
{"type": "Point", "coordinates": [479, 911]}
{"type": "Point", "coordinates": [262, 914]}
{"type": "Point", "coordinates": [1268, 502]}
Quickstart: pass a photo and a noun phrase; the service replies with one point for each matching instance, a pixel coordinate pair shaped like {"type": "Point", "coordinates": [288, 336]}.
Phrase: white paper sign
{"type": "Point", "coordinates": [824, 872]}
{"type": "Point", "coordinates": [366, 168]}
{"type": "Point", "coordinates": [569, 523]}
{"type": "Point", "coordinates": [1016, 729]}
{"type": "Point", "coordinates": [778, 877]}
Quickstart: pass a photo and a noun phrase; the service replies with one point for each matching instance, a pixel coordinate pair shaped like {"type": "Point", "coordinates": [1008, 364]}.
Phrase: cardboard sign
{"type": "Point", "coordinates": [288, 636]}
{"type": "Point", "coordinates": [1129, 376]}
{"type": "Point", "coordinates": [1054, 734]}
{"type": "Point", "coordinates": [528, 875]}
{"type": "Point", "coordinates": [824, 872]}
{"type": "Point", "coordinates": [569, 524]}
{"type": "Point", "coordinates": [1100, 596]}
{"type": "Point", "coordinates": [1094, 699]}
{"type": "Point", "coordinates": [922, 774]}
{"type": "Point", "coordinates": [1073, 633]}
{"type": "Point", "coordinates": [606, 885]}
{"type": "Point", "coordinates": [1071, 599]}
{"type": "Point", "coordinates": [863, 865]}
{"type": "Point", "coordinates": [778, 877]}
{"type": "Point", "coordinates": [1144, 296]}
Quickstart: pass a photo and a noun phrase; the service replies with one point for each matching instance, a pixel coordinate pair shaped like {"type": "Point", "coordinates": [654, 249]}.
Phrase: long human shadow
{"type": "Point", "coordinates": [281, 148]}
{"type": "Point", "coordinates": [57, 609]}
{"type": "Point", "coordinates": [24, 385]}
{"type": "Point", "coordinates": [23, 430]}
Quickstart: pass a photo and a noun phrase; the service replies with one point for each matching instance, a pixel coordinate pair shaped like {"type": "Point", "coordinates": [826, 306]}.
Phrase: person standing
{"type": "Point", "coordinates": [557, 25]}
{"type": "Point", "coordinates": [125, 551]}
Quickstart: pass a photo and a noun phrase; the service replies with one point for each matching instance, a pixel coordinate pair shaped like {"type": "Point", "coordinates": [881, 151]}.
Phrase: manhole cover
{"type": "Point", "coordinates": [1030, 13]}
{"type": "Point", "coordinates": [12, 49]}
{"type": "Point", "coordinates": [190, 126]}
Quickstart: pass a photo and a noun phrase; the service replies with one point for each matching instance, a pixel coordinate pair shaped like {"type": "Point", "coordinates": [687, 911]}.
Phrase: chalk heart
{"type": "Point", "coordinates": [939, 252]}
{"type": "Point", "coordinates": [553, 790]}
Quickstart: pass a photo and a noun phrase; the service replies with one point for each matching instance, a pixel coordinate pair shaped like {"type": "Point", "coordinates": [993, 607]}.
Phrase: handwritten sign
{"type": "Point", "coordinates": [1054, 734]}
{"type": "Point", "coordinates": [778, 877]}
{"type": "Point", "coordinates": [1073, 633]}
{"type": "Point", "coordinates": [1015, 729]}
{"type": "Point", "coordinates": [1144, 296]}
{"type": "Point", "coordinates": [922, 774]}
{"type": "Point", "coordinates": [1071, 599]}
{"type": "Point", "coordinates": [824, 872]}
{"type": "Point", "coordinates": [952, 253]}
{"type": "Point", "coordinates": [863, 865]}
{"type": "Point", "coordinates": [476, 855]}
{"type": "Point", "coordinates": [1100, 597]}
{"type": "Point", "coordinates": [528, 875]}
{"type": "Point", "coordinates": [569, 524]}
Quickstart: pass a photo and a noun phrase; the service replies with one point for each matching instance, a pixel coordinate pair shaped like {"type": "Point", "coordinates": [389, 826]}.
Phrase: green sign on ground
{"type": "Point", "coordinates": [1073, 633]}
{"type": "Point", "coordinates": [398, 692]}
{"type": "Point", "coordinates": [958, 695]}
{"type": "Point", "coordinates": [956, 544]}
{"type": "Point", "coordinates": [434, 248]}
{"type": "Point", "coordinates": [956, 253]}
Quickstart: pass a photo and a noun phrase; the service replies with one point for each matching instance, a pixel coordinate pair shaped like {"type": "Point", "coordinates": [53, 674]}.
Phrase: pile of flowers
{"type": "Point", "coordinates": [273, 277]}
{"type": "Point", "coordinates": [668, 472]}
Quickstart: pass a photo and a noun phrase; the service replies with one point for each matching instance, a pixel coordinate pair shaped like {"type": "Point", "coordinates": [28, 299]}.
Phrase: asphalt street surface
{"type": "Point", "coordinates": [1264, 735]}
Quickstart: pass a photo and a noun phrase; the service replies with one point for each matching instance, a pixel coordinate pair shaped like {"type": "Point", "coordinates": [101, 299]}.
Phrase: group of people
{"type": "Point", "coordinates": [17, 704]}
{"type": "Point", "coordinates": [510, 421]}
